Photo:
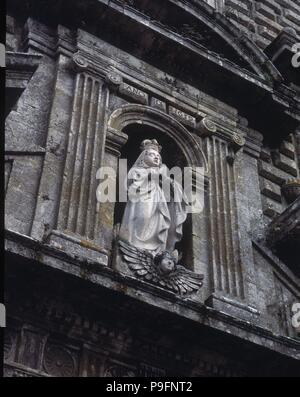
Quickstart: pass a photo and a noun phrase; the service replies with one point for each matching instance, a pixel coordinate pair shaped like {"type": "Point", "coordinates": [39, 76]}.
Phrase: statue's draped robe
{"type": "Point", "coordinates": [151, 222]}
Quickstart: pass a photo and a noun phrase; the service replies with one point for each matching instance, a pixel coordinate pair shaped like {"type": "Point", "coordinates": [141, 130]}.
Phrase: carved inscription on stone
{"type": "Point", "coordinates": [158, 104]}
{"type": "Point", "coordinates": [182, 116]}
{"type": "Point", "coordinates": [134, 93]}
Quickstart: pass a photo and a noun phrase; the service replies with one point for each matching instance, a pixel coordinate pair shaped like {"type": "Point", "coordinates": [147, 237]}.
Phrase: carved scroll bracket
{"type": "Point", "coordinates": [113, 80]}
{"type": "Point", "coordinates": [237, 142]}
{"type": "Point", "coordinates": [206, 127]}
{"type": "Point", "coordinates": [80, 64]}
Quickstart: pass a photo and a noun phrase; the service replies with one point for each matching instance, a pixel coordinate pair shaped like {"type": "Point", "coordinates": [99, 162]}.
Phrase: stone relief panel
{"type": "Point", "coordinates": [59, 361]}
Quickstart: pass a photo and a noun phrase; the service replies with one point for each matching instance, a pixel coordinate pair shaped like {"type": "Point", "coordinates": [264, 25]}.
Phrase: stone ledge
{"type": "Point", "coordinates": [12, 370]}
{"type": "Point", "coordinates": [154, 296]}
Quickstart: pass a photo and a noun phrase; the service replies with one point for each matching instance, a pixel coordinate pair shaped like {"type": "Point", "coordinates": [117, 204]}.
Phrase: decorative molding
{"type": "Point", "coordinates": [19, 68]}
{"type": "Point", "coordinates": [115, 140]}
{"type": "Point", "coordinates": [39, 37]}
{"type": "Point", "coordinates": [108, 278]}
{"type": "Point", "coordinates": [135, 113]}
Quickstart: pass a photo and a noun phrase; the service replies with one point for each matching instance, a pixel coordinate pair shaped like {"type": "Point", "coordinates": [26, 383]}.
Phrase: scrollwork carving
{"type": "Point", "coordinates": [206, 127]}
{"type": "Point", "coordinates": [80, 63]}
{"type": "Point", "coordinates": [113, 79]}
{"type": "Point", "coordinates": [237, 142]}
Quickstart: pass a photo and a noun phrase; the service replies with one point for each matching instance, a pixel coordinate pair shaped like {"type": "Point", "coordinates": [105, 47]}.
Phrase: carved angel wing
{"type": "Point", "coordinates": [139, 261]}
{"type": "Point", "coordinates": [184, 281]}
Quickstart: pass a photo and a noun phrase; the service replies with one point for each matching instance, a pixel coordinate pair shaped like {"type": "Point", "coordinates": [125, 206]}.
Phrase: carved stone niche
{"type": "Point", "coordinates": [138, 122]}
{"type": "Point", "coordinates": [283, 235]}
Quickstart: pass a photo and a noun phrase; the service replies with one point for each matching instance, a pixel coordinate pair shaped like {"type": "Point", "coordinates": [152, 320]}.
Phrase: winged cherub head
{"type": "Point", "coordinates": [165, 262]}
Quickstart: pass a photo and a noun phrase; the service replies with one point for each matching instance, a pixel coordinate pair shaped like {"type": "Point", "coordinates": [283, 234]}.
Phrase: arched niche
{"type": "Point", "coordinates": [128, 126]}
{"type": "Point", "coordinates": [140, 114]}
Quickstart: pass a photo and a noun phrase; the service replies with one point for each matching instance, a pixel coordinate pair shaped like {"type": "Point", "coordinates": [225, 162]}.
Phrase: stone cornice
{"type": "Point", "coordinates": [20, 68]}
{"type": "Point", "coordinates": [155, 296]}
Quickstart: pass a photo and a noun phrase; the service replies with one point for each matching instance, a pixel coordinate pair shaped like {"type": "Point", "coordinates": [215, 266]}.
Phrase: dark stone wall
{"type": "Point", "coordinates": [263, 20]}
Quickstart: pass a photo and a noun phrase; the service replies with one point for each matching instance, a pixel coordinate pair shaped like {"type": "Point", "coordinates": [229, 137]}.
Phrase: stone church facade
{"type": "Point", "coordinates": [217, 84]}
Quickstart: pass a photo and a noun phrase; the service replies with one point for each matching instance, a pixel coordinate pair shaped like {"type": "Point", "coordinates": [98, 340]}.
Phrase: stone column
{"type": "Point", "coordinates": [77, 212]}
{"type": "Point", "coordinates": [230, 264]}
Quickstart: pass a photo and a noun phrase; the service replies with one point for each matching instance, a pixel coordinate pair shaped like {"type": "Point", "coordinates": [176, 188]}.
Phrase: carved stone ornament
{"type": "Point", "coordinates": [113, 79]}
{"type": "Point", "coordinates": [291, 190]}
{"type": "Point", "coordinates": [206, 127]}
{"type": "Point", "coordinates": [58, 362]}
{"type": "Point", "coordinates": [161, 269]}
{"type": "Point", "coordinates": [238, 141]}
{"type": "Point", "coordinates": [80, 62]}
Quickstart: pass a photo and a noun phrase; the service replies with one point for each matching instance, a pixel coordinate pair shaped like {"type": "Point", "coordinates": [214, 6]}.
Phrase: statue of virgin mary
{"type": "Point", "coordinates": [152, 219]}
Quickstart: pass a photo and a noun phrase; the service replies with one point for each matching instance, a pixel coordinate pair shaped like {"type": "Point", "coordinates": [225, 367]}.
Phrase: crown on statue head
{"type": "Point", "coordinates": [151, 144]}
